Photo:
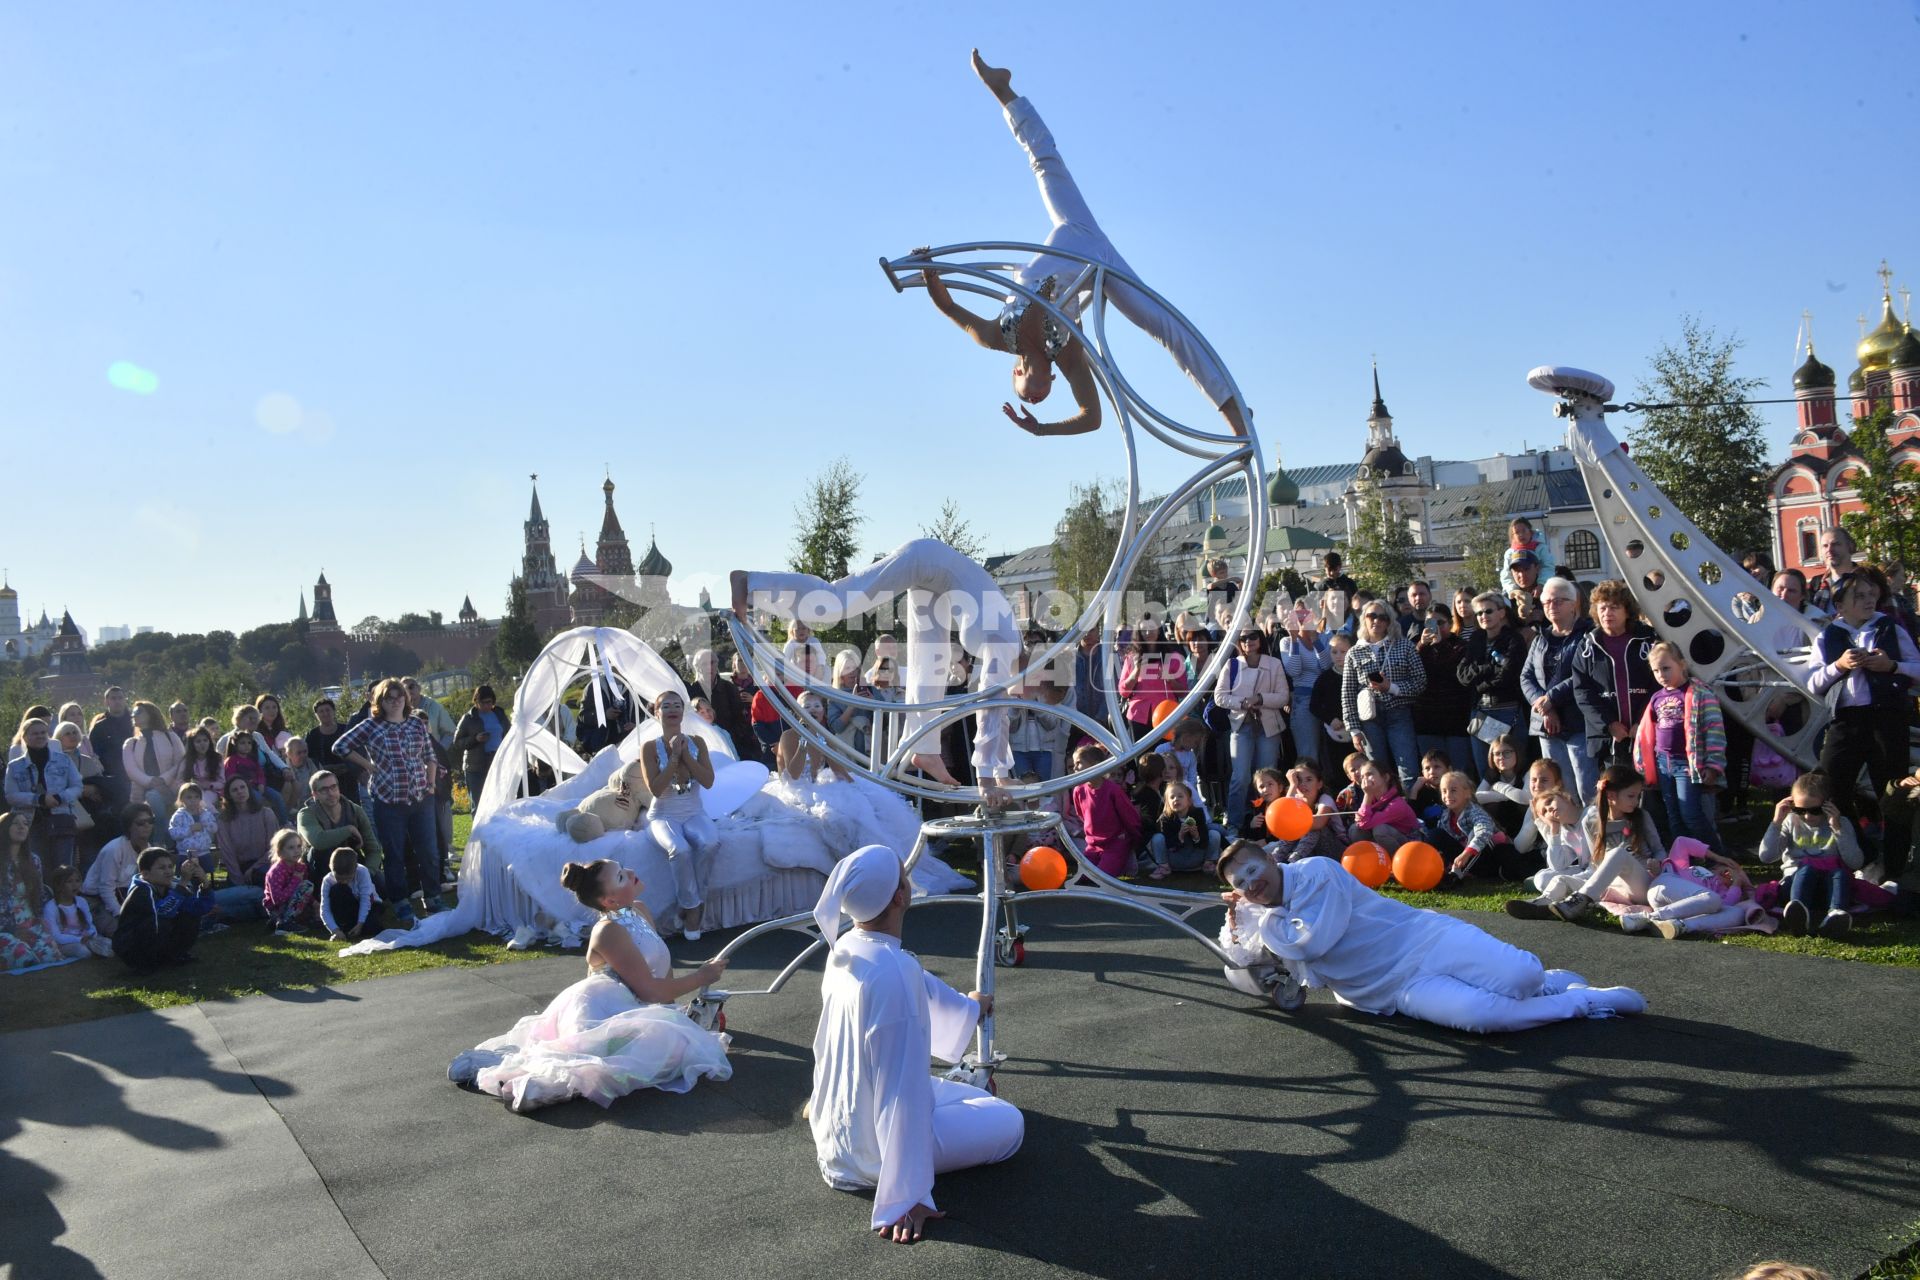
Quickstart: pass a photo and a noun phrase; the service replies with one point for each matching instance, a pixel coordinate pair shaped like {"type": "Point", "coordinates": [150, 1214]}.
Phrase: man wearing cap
{"type": "Point", "coordinates": [879, 1119]}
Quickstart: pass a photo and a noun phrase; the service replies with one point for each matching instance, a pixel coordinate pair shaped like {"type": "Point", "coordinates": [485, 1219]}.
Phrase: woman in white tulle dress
{"type": "Point", "coordinates": [614, 1031]}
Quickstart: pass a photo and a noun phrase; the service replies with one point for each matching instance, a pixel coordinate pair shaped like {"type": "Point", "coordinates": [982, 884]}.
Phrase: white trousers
{"type": "Point", "coordinates": [1622, 867]}
{"type": "Point", "coordinates": [945, 592]}
{"type": "Point", "coordinates": [1675, 897]}
{"type": "Point", "coordinates": [1556, 885]}
{"type": "Point", "coordinates": [972, 1127]}
{"type": "Point", "coordinates": [1075, 230]}
{"type": "Point", "coordinates": [686, 842]}
{"type": "Point", "coordinates": [1472, 981]}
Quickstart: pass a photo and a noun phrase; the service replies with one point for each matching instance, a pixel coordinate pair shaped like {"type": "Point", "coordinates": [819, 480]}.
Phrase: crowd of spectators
{"type": "Point", "coordinates": [194, 825]}
{"type": "Point", "coordinates": [1537, 732]}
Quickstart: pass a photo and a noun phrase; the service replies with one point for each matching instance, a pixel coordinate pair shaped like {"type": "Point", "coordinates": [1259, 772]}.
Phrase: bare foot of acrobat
{"type": "Point", "coordinates": [934, 767]}
{"type": "Point", "coordinates": [998, 79]}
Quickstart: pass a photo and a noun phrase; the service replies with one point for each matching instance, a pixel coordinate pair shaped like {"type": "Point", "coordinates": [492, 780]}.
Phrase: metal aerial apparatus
{"type": "Point", "coordinates": [988, 268]}
{"type": "Point", "coordinates": [1749, 647]}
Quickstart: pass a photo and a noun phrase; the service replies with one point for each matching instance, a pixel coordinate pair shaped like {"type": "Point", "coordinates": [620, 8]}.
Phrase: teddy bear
{"type": "Point", "coordinates": [619, 806]}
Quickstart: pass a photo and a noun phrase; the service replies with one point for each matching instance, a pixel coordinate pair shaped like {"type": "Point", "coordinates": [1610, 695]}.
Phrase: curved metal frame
{"type": "Point", "coordinates": [1689, 589]}
{"type": "Point", "coordinates": [1223, 452]}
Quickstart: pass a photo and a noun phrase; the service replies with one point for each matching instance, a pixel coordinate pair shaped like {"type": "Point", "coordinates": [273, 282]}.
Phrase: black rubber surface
{"type": "Point", "coordinates": [1768, 1105]}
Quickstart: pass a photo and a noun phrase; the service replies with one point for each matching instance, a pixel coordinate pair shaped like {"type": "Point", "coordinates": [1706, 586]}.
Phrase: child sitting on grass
{"type": "Point", "coordinates": [1149, 780]}
{"type": "Point", "coordinates": [1185, 839]}
{"type": "Point", "coordinates": [1697, 891]}
{"type": "Point", "coordinates": [1351, 795]}
{"type": "Point", "coordinates": [1108, 817]}
{"type": "Point", "coordinates": [1425, 800]}
{"type": "Point", "coordinates": [289, 896]}
{"type": "Point", "coordinates": [1384, 816]}
{"type": "Point", "coordinates": [1555, 822]}
{"type": "Point", "coordinates": [1467, 837]}
{"type": "Point", "coordinates": [1543, 778]}
{"type": "Point", "coordinates": [350, 908]}
{"type": "Point", "coordinates": [1627, 851]}
{"type": "Point", "coordinates": [68, 918]}
{"type": "Point", "coordinates": [1183, 756]}
{"type": "Point", "coordinates": [1268, 785]}
{"type": "Point", "coordinates": [1818, 854]}
{"type": "Point", "coordinates": [160, 918]}
{"type": "Point", "coordinates": [1327, 838]}
{"type": "Point", "coordinates": [193, 825]}
{"type": "Point", "coordinates": [1503, 792]}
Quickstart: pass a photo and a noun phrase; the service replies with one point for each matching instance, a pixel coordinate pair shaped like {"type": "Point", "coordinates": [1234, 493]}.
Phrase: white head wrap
{"type": "Point", "coordinates": [861, 886]}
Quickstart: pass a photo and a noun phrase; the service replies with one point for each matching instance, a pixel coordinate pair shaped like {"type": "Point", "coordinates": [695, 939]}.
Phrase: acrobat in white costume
{"type": "Point", "coordinates": [878, 1119]}
{"type": "Point", "coordinates": [1382, 956]}
{"type": "Point", "coordinates": [1068, 282]}
{"type": "Point", "coordinates": [945, 592]}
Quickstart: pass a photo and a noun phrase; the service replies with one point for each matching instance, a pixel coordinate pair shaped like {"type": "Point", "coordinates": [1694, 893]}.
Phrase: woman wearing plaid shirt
{"type": "Point", "coordinates": [1383, 663]}
{"type": "Point", "coordinates": [395, 752]}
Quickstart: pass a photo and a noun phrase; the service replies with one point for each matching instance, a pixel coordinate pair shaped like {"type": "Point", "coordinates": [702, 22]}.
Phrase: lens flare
{"type": "Point", "coordinates": [127, 376]}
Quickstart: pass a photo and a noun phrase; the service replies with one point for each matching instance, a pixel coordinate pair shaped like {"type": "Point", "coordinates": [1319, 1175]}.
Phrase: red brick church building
{"type": "Point", "coordinates": [1814, 487]}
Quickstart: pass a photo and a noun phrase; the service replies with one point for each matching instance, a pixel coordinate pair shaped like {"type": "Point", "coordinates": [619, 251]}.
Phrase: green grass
{"type": "Point", "coordinates": [1880, 942]}
{"type": "Point", "coordinates": [245, 960]}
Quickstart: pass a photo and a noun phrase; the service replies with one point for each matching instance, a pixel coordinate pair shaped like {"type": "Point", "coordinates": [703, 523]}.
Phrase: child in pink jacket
{"type": "Point", "coordinates": [1109, 820]}
{"type": "Point", "coordinates": [1385, 817]}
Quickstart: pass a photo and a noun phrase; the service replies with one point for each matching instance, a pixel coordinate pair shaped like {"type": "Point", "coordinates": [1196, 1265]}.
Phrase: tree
{"type": "Point", "coordinates": [953, 530]}
{"type": "Point", "coordinates": [1380, 554]}
{"type": "Point", "coordinates": [1482, 553]}
{"type": "Point", "coordinates": [827, 526]}
{"type": "Point", "coordinates": [827, 523]}
{"type": "Point", "coordinates": [1086, 538]}
{"type": "Point", "coordinates": [1708, 455]}
{"type": "Point", "coordinates": [517, 643]}
{"type": "Point", "coordinates": [1887, 528]}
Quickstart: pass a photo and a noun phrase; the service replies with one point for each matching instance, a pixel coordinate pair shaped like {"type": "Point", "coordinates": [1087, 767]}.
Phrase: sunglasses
{"type": "Point", "coordinates": [1810, 813]}
{"type": "Point", "coordinates": [1484, 613]}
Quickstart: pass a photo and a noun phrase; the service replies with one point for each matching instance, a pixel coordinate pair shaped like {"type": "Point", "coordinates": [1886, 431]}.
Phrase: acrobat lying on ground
{"type": "Point", "coordinates": [1326, 929]}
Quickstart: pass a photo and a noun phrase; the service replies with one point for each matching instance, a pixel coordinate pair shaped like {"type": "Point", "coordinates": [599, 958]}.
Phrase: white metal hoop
{"type": "Point", "coordinates": [1220, 454]}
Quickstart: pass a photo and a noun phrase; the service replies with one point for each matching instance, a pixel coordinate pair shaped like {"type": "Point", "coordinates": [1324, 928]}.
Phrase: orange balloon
{"type": "Point", "coordinates": [1289, 818]}
{"type": "Point", "coordinates": [1162, 709]}
{"type": "Point", "coordinates": [1367, 862]}
{"type": "Point", "coordinates": [1418, 866]}
{"type": "Point", "coordinates": [1043, 867]}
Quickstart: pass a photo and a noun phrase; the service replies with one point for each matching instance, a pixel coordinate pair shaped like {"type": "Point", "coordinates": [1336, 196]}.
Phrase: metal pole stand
{"type": "Point", "coordinates": [990, 269]}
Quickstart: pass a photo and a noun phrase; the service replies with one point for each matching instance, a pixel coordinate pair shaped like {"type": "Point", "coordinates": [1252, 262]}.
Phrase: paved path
{"type": "Point", "coordinates": [1768, 1105]}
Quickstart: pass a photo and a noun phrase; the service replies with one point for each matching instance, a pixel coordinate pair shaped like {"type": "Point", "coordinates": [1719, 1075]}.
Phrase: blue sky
{"type": "Point", "coordinates": [387, 260]}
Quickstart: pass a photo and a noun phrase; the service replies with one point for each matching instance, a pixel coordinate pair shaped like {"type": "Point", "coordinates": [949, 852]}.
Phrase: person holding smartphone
{"type": "Point", "coordinates": [1875, 662]}
{"type": "Point", "coordinates": [1383, 677]}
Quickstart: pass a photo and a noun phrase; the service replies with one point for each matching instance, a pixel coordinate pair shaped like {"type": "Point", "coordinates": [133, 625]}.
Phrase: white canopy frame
{"type": "Point", "coordinates": [491, 896]}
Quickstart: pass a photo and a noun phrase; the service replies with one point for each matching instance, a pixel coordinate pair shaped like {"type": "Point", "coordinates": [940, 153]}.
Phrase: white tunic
{"type": "Point", "coordinates": [882, 1019]}
{"type": "Point", "coordinates": [1358, 943]}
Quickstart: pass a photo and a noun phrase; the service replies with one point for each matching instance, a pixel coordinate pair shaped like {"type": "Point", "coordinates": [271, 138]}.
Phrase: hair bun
{"type": "Point", "coordinates": [582, 879]}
